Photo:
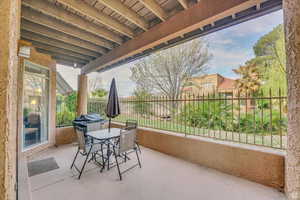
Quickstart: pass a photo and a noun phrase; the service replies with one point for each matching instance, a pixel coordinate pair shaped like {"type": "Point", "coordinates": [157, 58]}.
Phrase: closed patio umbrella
{"type": "Point", "coordinates": [113, 107]}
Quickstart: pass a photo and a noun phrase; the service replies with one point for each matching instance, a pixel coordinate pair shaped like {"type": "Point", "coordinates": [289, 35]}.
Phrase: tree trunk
{"type": "Point", "coordinates": [292, 37]}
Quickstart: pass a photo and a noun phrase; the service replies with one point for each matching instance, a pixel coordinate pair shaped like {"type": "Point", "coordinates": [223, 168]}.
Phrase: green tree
{"type": "Point", "coordinates": [96, 88]}
{"type": "Point", "coordinates": [99, 93]}
{"type": "Point", "coordinates": [66, 109]}
{"type": "Point", "coordinates": [141, 105]}
{"type": "Point", "coordinates": [270, 59]}
{"type": "Point", "coordinates": [71, 101]}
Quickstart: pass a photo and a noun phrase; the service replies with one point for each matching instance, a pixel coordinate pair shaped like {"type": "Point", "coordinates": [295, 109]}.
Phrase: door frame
{"type": "Point", "coordinates": [35, 65]}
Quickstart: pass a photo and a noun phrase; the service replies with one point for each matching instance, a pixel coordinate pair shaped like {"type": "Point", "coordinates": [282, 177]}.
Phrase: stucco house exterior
{"type": "Point", "coordinates": [209, 84]}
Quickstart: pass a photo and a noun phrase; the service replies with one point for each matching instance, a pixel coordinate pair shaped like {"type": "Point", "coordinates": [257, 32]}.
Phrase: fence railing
{"type": "Point", "coordinates": [259, 120]}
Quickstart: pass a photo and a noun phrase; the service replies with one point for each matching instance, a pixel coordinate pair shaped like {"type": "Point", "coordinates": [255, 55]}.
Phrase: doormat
{"type": "Point", "coordinates": [41, 166]}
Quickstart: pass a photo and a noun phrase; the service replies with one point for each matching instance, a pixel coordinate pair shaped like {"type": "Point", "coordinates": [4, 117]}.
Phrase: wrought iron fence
{"type": "Point", "coordinates": [259, 119]}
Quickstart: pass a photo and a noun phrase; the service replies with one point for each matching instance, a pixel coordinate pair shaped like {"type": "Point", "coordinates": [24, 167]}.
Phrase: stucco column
{"type": "Point", "coordinates": [9, 34]}
{"type": "Point", "coordinates": [82, 96]}
{"type": "Point", "coordinates": [292, 37]}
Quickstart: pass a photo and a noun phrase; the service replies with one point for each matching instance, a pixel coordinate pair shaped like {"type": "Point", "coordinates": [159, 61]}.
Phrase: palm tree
{"type": "Point", "coordinates": [250, 81]}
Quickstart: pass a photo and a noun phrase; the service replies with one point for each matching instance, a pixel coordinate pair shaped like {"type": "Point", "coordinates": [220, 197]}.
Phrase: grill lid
{"type": "Point", "coordinates": [82, 120]}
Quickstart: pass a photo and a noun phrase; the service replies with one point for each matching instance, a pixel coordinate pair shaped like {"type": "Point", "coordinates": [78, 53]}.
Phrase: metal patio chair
{"type": "Point", "coordinates": [95, 126]}
{"type": "Point", "coordinates": [86, 148]}
{"type": "Point", "coordinates": [132, 124]}
{"type": "Point", "coordinates": [125, 144]}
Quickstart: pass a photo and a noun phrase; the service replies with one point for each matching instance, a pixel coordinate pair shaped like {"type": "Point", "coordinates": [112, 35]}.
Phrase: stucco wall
{"type": "Point", "coordinates": [65, 135]}
{"type": "Point", "coordinates": [258, 164]}
{"type": "Point", "coordinates": [9, 36]}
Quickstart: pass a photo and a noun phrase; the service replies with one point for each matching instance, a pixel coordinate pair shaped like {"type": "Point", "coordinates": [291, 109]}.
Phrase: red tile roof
{"type": "Point", "coordinates": [187, 89]}
{"type": "Point", "coordinates": [227, 83]}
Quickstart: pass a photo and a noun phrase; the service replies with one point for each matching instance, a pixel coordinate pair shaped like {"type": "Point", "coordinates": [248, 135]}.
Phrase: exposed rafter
{"type": "Point", "coordinates": [184, 3]}
{"type": "Point", "coordinates": [154, 7]}
{"type": "Point", "coordinates": [61, 51]}
{"type": "Point", "coordinates": [50, 22]}
{"type": "Point", "coordinates": [61, 14]}
{"type": "Point", "coordinates": [67, 62]}
{"type": "Point", "coordinates": [201, 14]}
{"type": "Point", "coordinates": [83, 8]}
{"type": "Point", "coordinates": [35, 28]}
{"type": "Point", "coordinates": [45, 40]}
{"type": "Point", "coordinates": [61, 56]}
{"type": "Point", "coordinates": [126, 12]}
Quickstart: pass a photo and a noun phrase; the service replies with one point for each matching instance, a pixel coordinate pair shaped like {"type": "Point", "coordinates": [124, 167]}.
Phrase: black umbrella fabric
{"type": "Point", "coordinates": [113, 107]}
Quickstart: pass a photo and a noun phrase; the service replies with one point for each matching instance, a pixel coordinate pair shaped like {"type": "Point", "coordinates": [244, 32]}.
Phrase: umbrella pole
{"type": "Point", "coordinates": [109, 124]}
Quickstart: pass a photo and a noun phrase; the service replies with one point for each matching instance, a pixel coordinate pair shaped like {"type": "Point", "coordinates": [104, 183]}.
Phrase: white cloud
{"type": "Point", "coordinates": [224, 61]}
{"type": "Point", "coordinates": [259, 25]}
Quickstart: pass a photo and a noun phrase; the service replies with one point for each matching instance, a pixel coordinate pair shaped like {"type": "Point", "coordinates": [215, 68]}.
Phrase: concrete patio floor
{"type": "Point", "coordinates": [161, 177]}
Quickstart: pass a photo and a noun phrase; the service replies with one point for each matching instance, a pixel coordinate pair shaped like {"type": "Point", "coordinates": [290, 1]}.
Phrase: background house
{"type": "Point", "coordinates": [209, 84]}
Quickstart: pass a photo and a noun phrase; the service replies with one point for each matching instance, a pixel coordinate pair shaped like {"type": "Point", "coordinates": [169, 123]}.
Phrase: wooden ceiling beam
{"type": "Point", "coordinates": [65, 62]}
{"type": "Point", "coordinates": [197, 16]}
{"type": "Point", "coordinates": [35, 28]}
{"type": "Point", "coordinates": [85, 9]}
{"type": "Point", "coordinates": [62, 14]}
{"type": "Point", "coordinates": [183, 3]}
{"type": "Point", "coordinates": [155, 8]}
{"type": "Point", "coordinates": [61, 51]}
{"type": "Point", "coordinates": [126, 12]}
{"type": "Point", "coordinates": [30, 36]}
{"type": "Point", "coordinates": [52, 23]}
{"type": "Point", "coordinates": [58, 55]}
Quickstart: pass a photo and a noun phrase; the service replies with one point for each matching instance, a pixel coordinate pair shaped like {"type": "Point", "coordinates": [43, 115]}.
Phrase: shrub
{"type": "Point", "coordinates": [207, 114]}
{"type": "Point", "coordinates": [64, 116]}
{"type": "Point", "coordinates": [217, 115]}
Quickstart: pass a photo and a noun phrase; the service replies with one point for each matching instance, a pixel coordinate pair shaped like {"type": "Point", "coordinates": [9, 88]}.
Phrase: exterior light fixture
{"type": "Point", "coordinates": [24, 49]}
{"type": "Point", "coordinates": [33, 102]}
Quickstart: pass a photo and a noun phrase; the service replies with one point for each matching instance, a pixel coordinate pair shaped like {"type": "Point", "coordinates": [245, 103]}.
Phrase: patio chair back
{"type": "Point", "coordinates": [130, 124]}
{"type": "Point", "coordinates": [126, 143]}
{"type": "Point", "coordinates": [94, 126]}
{"type": "Point", "coordinates": [127, 140]}
{"type": "Point", "coordinates": [81, 139]}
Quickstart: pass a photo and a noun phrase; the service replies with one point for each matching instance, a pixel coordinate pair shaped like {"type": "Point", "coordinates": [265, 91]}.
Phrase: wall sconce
{"type": "Point", "coordinates": [33, 102]}
{"type": "Point", "coordinates": [24, 49]}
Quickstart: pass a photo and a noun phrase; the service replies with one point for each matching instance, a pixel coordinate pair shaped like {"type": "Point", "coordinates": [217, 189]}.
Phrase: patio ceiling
{"type": "Point", "coordinates": [97, 35]}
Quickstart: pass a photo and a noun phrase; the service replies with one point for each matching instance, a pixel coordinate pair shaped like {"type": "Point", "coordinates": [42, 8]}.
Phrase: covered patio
{"type": "Point", "coordinates": [161, 177]}
{"type": "Point", "coordinates": [98, 35]}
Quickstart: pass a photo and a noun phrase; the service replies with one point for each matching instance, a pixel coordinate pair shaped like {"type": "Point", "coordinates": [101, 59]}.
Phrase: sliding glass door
{"type": "Point", "coordinates": [35, 105]}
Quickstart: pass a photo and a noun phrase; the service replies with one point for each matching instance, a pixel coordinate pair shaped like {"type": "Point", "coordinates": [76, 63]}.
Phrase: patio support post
{"type": "Point", "coordinates": [82, 94]}
{"type": "Point", "coordinates": [292, 37]}
{"type": "Point", "coordinates": [9, 34]}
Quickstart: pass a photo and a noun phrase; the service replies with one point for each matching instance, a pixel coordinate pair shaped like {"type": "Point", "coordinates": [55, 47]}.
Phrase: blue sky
{"type": "Point", "coordinates": [230, 48]}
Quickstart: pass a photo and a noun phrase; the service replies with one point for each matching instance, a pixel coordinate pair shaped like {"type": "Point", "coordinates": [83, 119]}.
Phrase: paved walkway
{"type": "Point", "coordinates": [161, 177]}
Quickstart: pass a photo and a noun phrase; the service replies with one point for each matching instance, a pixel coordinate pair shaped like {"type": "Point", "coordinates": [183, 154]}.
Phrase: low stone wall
{"type": "Point", "coordinates": [65, 135]}
{"type": "Point", "coordinates": [258, 164]}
